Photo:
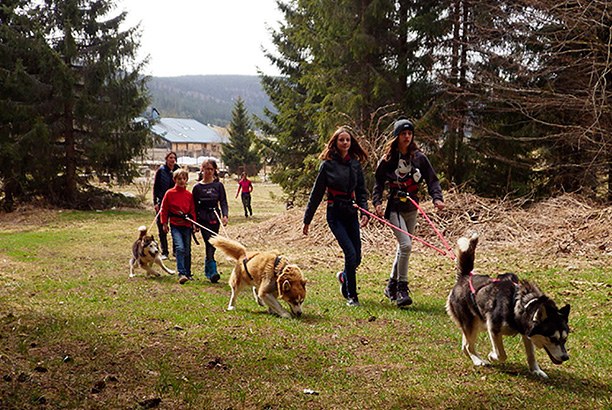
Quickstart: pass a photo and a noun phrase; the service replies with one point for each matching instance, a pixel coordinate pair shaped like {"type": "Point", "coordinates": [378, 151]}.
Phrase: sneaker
{"type": "Point", "coordinates": [215, 277]}
{"type": "Point", "coordinates": [183, 279]}
{"type": "Point", "coordinates": [353, 302]}
{"type": "Point", "coordinates": [190, 277]}
{"type": "Point", "coordinates": [340, 277]}
{"type": "Point", "coordinates": [391, 290]}
{"type": "Point", "coordinates": [164, 257]}
{"type": "Point", "coordinates": [403, 295]}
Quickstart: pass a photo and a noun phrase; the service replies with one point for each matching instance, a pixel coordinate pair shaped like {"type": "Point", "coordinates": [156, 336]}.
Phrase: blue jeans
{"type": "Point", "coordinates": [346, 230]}
{"type": "Point", "coordinates": [181, 237]}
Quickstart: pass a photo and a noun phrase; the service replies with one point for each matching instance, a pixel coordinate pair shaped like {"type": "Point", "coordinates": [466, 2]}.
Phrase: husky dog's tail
{"type": "Point", "coordinates": [465, 255]}
{"type": "Point", "coordinates": [232, 249]}
{"type": "Point", "coordinates": [143, 231]}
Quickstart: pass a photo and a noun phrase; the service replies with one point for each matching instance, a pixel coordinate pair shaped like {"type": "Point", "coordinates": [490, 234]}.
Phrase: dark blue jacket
{"type": "Point", "coordinates": [163, 182]}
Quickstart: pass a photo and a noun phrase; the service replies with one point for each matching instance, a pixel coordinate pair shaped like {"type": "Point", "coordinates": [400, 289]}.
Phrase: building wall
{"type": "Point", "coordinates": [197, 150]}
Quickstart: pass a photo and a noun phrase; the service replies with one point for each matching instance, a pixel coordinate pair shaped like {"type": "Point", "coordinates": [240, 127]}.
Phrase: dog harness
{"type": "Point", "coordinates": [276, 263]}
{"type": "Point", "coordinates": [473, 293]}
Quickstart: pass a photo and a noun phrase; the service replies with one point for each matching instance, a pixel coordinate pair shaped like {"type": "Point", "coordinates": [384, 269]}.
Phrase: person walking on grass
{"type": "Point", "coordinates": [247, 187]}
{"type": "Point", "coordinates": [176, 206]}
{"type": "Point", "coordinates": [341, 177]}
{"type": "Point", "coordinates": [163, 181]}
{"type": "Point", "coordinates": [402, 168]}
{"type": "Point", "coordinates": [210, 203]}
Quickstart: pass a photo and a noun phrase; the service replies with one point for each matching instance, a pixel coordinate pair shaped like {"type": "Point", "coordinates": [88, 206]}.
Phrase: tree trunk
{"type": "Point", "coordinates": [452, 142]}
{"type": "Point", "coordinates": [70, 190]}
{"type": "Point", "coordinates": [402, 57]}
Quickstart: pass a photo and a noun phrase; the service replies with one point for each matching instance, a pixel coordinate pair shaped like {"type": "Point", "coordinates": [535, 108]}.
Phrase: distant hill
{"type": "Point", "coordinates": [207, 98]}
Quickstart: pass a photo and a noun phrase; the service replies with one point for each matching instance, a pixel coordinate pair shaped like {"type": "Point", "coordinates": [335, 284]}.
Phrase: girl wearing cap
{"type": "Point", "coordinates": [341, 177]}
{"type": "Point", "coordinates": [402, 168]}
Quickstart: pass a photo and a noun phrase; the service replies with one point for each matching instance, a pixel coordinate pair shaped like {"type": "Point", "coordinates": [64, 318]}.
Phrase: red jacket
{"type": "Point", "coordinates": [177, 200]}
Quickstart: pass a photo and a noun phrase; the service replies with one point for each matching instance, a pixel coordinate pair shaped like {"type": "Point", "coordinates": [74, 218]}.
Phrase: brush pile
{"type": "Point", "coordinates": [565, 224]}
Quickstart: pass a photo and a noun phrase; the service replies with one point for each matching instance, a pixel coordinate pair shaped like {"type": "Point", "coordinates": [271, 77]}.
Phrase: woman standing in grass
{"type": "Point", "coordinates": [402, 167]}
{"type": "Point", "coordinates": [247, 187]}
{"type": "Point", "coordinates": [341, 176]}
{"type": "Point", "coordinates": [211, 210]}
{"type": "Point", "coordinates": [163, 182]}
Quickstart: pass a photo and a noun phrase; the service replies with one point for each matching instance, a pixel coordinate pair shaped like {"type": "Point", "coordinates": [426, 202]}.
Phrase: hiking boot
{"type": "Point", "coordinates": [340, 277]}
{"type": "Point", "coordinates": [210, 270]}
{"type": "Point", "coordinates": [182, 279]}
{"type": "Point", "coordinates": [391, 290]}
{"type": "Point", "coordinates": [403, 295]}
{"type": "Point", "coordinates": [353, 302]}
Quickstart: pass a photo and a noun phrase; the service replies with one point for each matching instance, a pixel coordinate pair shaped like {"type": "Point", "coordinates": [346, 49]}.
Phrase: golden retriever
{"type": "Point", "coordinates": [269, 274]}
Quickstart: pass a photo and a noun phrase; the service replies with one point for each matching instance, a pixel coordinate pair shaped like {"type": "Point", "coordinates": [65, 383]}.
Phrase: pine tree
{"type": "Point", "coordinates": [83, 89]}
{"type": "Point", "coordinates": [354, 62]}
{"type": "Point", "coordinates": [239, 154]}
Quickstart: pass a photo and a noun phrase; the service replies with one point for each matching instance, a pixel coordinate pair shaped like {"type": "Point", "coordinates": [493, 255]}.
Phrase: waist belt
{"type": "Point", "coordinates": [184, 216]}
{"type": "Point", "coordinates": [333, 195]}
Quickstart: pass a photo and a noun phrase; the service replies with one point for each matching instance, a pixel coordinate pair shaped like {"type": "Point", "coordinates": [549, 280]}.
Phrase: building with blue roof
{"type": "Point", "coordinates": [189, 137]}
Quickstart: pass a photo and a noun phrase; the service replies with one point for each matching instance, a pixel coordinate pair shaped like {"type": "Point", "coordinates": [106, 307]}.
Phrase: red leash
{"type": "Point", "coordinates": [451, 255]}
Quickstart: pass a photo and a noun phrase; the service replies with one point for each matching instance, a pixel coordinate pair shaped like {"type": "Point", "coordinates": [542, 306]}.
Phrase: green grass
{"type": "Point", "coordinates": [108, 341]}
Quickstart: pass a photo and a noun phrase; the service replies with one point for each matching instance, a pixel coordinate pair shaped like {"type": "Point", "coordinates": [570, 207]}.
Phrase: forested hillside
{"type": "Point", "coordinates": [207, 98]}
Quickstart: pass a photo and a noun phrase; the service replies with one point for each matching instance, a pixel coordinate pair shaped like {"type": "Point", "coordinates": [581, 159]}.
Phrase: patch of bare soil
{"type": "Point", "coordinates": [566, 224]}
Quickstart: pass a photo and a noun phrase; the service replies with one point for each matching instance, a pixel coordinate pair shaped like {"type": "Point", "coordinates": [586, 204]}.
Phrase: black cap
{"type": "Point", "coordinates": [402, 124]}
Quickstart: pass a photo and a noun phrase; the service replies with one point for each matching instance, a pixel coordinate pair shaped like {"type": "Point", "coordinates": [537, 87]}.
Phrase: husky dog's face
{"type": "Point", "coordinates": [149, 246]}
{"type": "Point", "coordinates": [292, 288]}
{"type": "Point", "coordinates": [551, 331]}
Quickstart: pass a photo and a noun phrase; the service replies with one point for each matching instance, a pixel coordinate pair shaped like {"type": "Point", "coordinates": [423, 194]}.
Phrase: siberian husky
{"type": "Point", "coordinates": [505, 307]}
{"type": "Point", "coordinates": [145, 252]}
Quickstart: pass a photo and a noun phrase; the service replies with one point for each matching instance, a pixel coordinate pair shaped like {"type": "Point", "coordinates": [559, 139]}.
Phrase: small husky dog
{"type": "Point", "coordinates": [505, 307]}
{"type": "Point", "coordinates": [269, 274]}
{"type": "Point", "coordinates": [145, 252]}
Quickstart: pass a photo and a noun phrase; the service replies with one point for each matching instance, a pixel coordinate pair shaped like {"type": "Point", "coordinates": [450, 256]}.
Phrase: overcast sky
{"type": "Point", "coordinates": [191, 37]}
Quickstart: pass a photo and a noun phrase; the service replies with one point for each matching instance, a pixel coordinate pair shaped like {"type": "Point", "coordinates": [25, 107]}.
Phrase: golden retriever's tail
{"type": "Point", "coordinates": [465, 255]}
{"type": "Point", "coordinates": [143, 231]}
{"type": "Point", "coordinates": [232, 249]}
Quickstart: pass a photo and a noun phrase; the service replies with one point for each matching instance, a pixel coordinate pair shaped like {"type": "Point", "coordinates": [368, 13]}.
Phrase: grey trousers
{"type": "Point", "coordinates": [407, 222]}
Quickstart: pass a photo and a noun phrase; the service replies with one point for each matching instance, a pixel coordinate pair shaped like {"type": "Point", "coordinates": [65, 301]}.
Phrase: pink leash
{"type": "Point", "coordinates": [432, 225]}
{"type": "Point", "coordinates": [451, 255]}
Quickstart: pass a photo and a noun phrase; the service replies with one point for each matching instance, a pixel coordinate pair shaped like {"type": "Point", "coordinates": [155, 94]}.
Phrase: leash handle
{"type": "Point", "coordinates": [452, 256]}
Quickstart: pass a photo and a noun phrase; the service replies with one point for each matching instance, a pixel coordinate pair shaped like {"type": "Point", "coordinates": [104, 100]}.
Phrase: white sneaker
{"type": "Point", "coordinates": [164, 257]}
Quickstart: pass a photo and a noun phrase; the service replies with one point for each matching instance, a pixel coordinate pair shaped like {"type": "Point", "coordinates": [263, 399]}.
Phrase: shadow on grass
{"type": "Point", "coordinates": [560, 379]}
{"type": "Point", "coordinates": [384, 305]}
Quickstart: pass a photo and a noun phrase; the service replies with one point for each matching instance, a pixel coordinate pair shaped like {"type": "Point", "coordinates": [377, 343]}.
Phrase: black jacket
{"type": "Point", "coordinates": [345, 176]}
{"type": "Point", "coordinates": [404, 173]}
{"type": "Point", "coordinates": [208, 198]}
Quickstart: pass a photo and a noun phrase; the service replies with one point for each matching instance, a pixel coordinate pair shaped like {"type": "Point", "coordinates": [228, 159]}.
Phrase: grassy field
{"type": "Point", "coordinates": [77, 333]}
